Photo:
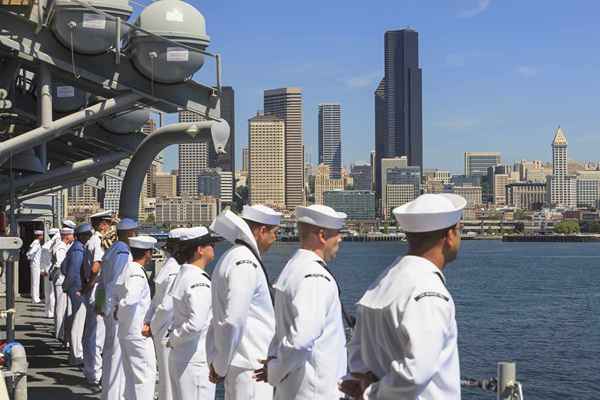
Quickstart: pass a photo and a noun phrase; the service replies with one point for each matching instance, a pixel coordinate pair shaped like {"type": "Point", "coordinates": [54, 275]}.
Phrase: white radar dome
{"type": "Point", "coordinates": [88, 31]}
{"type": "Point", "coordinates": [163, 61]}
{"type": "Point", "coordinates": [126, 121]}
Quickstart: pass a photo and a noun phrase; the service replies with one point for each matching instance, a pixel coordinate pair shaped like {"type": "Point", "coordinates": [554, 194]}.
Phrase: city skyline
{"type": "Point", "coordinates": [480, 92]}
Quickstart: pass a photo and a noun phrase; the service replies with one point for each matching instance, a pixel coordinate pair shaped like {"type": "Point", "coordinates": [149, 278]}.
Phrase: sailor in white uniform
{"type": "Point", "coordinates": [62, 300]}
{"type": "Point", "coordinates": [132, 295]}
{"type": "Point", "coordinates": [191, 317]}
{"type": "Point", "coordinates": [405, 342]}
{"type": "Point", "coordinates": [115, 260]}
{"type": "Point", "coordinates": [307, 357]}
{"type": "Point", "coordinates": [45, 265]}
{"type": "Point", "coordinates": [34, 255]}
{"type": "Point", "coordinates": [160, 315]}
{"type": "Point", "coordinates": [243, 322]}
{"type": "Point", "coordinates": [94, 330]}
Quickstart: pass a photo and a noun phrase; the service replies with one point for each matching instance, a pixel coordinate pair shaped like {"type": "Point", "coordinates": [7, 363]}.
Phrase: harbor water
{"type": "Point", "coordinates": [537, 304]}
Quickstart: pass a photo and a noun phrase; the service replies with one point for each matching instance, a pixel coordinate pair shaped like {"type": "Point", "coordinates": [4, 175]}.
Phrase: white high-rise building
{"type": "Point", "coordinates": [266, 142]}
{"type": "Point", "coordinates": [563, 190]}
{"type": "Point", "coordinates": [193, 159]}
{"type": "Point", "coordinates": [286, 103]}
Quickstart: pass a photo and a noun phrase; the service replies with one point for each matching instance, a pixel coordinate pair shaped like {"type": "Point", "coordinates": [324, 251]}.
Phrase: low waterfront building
{"type": "Point", "coordinates": [472, 194]}
{"type": "Point", "coordinates": [358, 204]}
{"type": "Point", "coordinates": [324, 183]}
{"type": "Point", "coordinates": [526, 195]}
{"type": "Point", "coordinates": [187, 210]}
{"type": "Point", "coordinates": [405, 183]}
{"type": "Point", "coordinates": [588, 189]}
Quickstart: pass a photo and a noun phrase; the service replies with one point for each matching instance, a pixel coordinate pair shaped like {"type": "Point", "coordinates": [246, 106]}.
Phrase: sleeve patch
{"type": "Point", "coordinates": [137, 276]}
{"type": "Point", "coordinates": [246, 262]}
{"type": "Point", "coordinates": [174, 274]}
{"type": "Point", "coordinates": [432, 294]}
{"type": "Point", "coordinates": [317, 276]}
{"type": "Point", "coordinates": [200, 284]}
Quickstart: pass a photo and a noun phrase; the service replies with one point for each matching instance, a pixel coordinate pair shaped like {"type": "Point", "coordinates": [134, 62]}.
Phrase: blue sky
{"type": "Point", "coordinates": [498, 75]}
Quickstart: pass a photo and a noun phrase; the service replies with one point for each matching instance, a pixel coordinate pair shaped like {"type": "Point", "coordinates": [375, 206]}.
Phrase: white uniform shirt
{"type": "Point", "coordinates": [46, 257]}
{"type": "Point", "coordinates": [114, 262]}
{"type": "Point", "coordinates": [160, 314]}
{"type": "Point", "coordinates": [191, 314]}
{"type": "Point", "coordinates": [244, 320]}
{"type": "Point", "coordinates": [34, 254]}
{"type": "Point", "coordinates": [133, 294]}
{"type": "Point", "coordinates": [310, 342]}
{"type": "Point", "coordinates": [406, 334]}
{"type": "Point", "coordinates": [60, 252]}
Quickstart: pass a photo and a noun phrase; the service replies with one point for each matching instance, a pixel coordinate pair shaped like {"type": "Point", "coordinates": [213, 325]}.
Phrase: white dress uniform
{"type": "Point", "coordinates": [46, 264]}
{"type": "Point", "coordinates": [160, 318]}
{"type": "Point", "coordinates": [243, 322]}
{"type": "Point", "coordinates": [133, 294]}
{"type": "Point", "coordinates": [406, 333]}
{"type": "Point", "coordinates": [188, 366]}
{"type": "Point", "coordinates": [94, 330]}
{"type": "Point", "coordinates": [34, 255]}
{"type": "Point", "coordinates": [62, 300]}
{"type": "Point", "coordinates": [310, 343]}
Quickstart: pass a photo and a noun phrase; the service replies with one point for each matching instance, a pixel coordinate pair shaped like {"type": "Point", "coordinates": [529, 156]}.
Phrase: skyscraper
{"type": "Point", "coordinates": [398, 102]}
{"type": "Point", "coordinates": [193, 158]}
{"type": "Point", "coordinates": [561, 185]}
{"type": "Point", "coordinates": [266, 141]}
{"type": "Point", "coordinates": [286, 104]}
{"type": "Point", "coordinates": [477, 163]}
{"type": "Point", "coordinates": [330, 137]}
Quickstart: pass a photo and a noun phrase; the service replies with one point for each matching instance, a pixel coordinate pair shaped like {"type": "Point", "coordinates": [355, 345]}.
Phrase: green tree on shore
{"type": "Point", "coordinates": [567, 227]}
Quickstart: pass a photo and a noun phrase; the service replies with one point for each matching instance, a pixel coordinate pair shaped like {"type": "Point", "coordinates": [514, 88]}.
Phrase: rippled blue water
{"type": "Point", "coordinates": [534, 303]}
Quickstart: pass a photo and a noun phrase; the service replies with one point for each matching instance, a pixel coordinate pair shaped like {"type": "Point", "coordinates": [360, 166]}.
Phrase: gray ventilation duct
{"type": "Point", "coordinates": [126, 122]}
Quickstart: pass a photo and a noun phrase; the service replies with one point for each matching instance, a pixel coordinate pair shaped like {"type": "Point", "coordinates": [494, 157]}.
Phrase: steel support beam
{"type": "Point", "coordinates": [56, 177]}
{"type": "Point", "coordinates": [99, 74]}
{"type": "Point", "coordinates": [60, 126]}
{"type": "Point", "coordinates": [153, 144]}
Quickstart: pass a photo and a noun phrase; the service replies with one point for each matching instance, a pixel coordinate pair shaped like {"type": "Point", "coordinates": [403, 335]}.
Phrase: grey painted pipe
{"type": "Point", "coordinates": [18, 365]}
{"type": "Point", "coordinates": [60, 126]}
{"type": "Point", "coordinates": [58, 175]}
{"type": "Point", "coordinates": [153, 144]}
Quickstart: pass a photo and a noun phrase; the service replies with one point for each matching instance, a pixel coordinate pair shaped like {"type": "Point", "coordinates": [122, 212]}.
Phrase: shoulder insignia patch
{"type": "Point", "coordinates": [317, 276]}
{"type": "Point", "coordinates": [122, 252]}
{"type": "Point", "coordinates": [246, 262]}
{"type": "Point", "coordinates": [200, 284]}
{"type": "Point", "coordinates": [174, 274]}
{"type": "Point", "coordinates": [137, 276]}
{"type": "Point", "coordinates": [432, 294]}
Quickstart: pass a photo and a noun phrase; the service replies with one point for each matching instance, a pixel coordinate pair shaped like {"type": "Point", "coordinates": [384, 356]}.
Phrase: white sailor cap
{"type": "Point", "coordinates": [67, 231]}
{"type": "Point", "coordinates": [69, 224]}
{"type": "Point", "coordinates": [261, 214]}
{"type": "Point", "coordinates": [430, 212]}
{"type": "Point", "coordinates": [38, 232]}
{"type": "Point", "coordinates": [321, 216]}
{"type": "Point", "coordinates": [53, 231]}
{"type": "Point", "coordinates": [175, 234]}
{"type": "Point", "coordinates": [127, 224]}
{"type": "Point", "coordinates": [84, 228]}
{"type": "Point", "coordinates": [200, 234]}
{"type": "Point", "coordinates": [142, 242]}
{"type": "Point", "coordinates": [108, 214]}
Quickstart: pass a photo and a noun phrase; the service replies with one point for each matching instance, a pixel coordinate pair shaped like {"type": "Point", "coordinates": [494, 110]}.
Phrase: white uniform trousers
{"type": "Point", "coordinates": [239, 385]}
{"type": "Point", "coordinates": [113, 377]}
{"type": "Point", "coordinates": [165, 390]}
{"type": "Point", "coordinates": [60, 312]}
{"type": "Point", "coordinates": [75, 324]}
{"type": "Point", "coordinates": [190, 379]}
{"type": "Point", "coordinates": [139, 365]}
{"type": "Point", "coordinates": [35, 284]}
{"type": "Point", "coordinates": [49, 298]}
{"type": "Point", "coordinates": [93, 343]}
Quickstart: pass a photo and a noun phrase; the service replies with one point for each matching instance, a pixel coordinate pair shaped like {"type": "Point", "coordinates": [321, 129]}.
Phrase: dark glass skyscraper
{"type": "Point", "coordinates": [398, 102]}
{"type": "Point", "coordinates": [330, 138]}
